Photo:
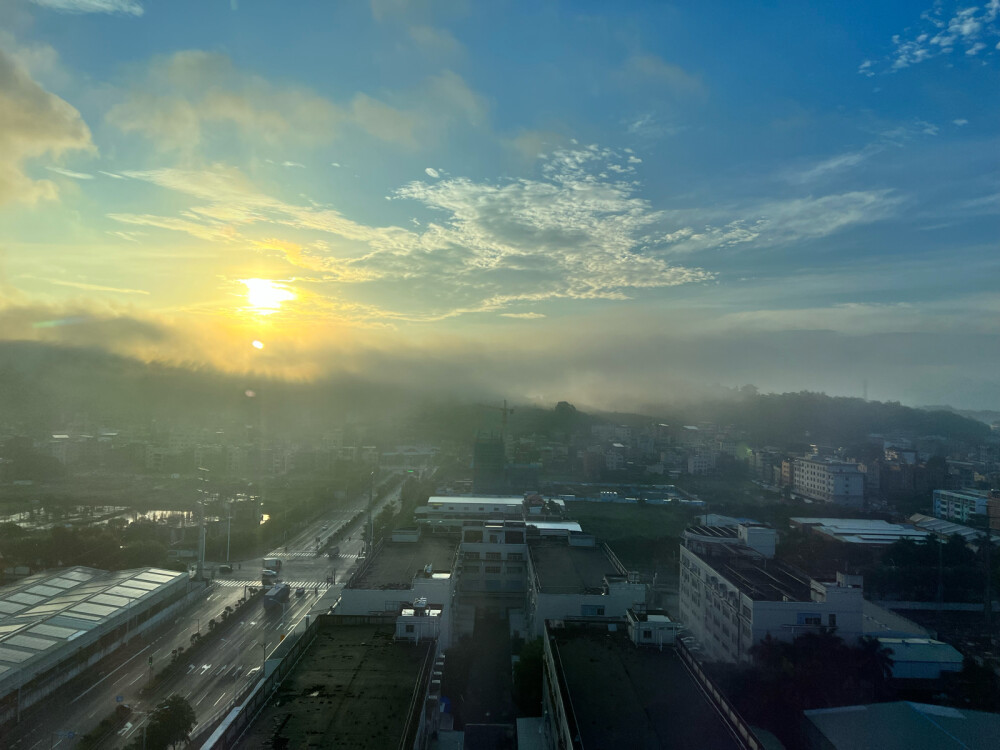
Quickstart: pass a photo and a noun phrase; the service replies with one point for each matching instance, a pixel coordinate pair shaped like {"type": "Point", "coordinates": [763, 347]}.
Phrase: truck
{"type": "Point", "coordinates": [276, 597]}
{"type": "Point", "coordinates": [272, 563]}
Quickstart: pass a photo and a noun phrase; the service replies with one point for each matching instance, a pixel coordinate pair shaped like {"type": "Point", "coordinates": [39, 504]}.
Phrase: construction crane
{"type": "Point", "coordinates": [504, 411]}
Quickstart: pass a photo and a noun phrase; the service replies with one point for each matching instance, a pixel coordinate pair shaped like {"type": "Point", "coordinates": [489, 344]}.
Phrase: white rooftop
{"type": "Point", "coordinates": [862, 530]}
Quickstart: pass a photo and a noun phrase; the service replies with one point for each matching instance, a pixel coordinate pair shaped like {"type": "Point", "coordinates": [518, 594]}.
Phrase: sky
{"type": "Point", "coordinates": [617, 203]}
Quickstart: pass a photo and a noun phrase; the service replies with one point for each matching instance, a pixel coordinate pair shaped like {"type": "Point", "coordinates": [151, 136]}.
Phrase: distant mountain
{"type": "Point", "coordinates": [815, 417]}
{"type": "Point", "coordinates": [44, 388]}
{"type": "Point", "coordinates": [986, 416]}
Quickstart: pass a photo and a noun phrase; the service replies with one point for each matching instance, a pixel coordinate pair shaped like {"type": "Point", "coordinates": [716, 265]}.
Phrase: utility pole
{"type": "Point", "coordinates": [203, 492]}
{"type": "Point", "coordinates": [991, 513]}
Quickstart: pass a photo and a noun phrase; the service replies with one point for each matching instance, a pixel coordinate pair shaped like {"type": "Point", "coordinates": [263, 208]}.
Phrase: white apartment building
{"type": "Point", "coordinates": [731, 597]}
{"type": "Point", "coordinates": [829, 481]}
{"type": "Point", "coordinates": [960, 505]}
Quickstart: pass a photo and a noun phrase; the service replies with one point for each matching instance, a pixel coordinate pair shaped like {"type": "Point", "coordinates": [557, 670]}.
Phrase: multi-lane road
{"type": "Point", "coordinates": [223, 668]}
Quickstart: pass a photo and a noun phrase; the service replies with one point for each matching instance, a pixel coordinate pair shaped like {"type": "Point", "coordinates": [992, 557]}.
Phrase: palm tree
{"type": "Point", "coordinates": [874, 666]}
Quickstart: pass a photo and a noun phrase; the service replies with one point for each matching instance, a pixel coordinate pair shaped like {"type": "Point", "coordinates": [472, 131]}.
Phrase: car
{"type": "Point", "coordinates": [300, 591]}
{"type": "Point", "coordinates": [224, 569]}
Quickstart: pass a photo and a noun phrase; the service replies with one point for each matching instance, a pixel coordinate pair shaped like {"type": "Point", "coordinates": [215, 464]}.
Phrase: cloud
{"type": "Point", "coordinates": [112, 175]}
{"type": "Point", "coordinates": [434, 41]}
{"type": "Point", "coordinates": [124, 7]}
{"type": "Point", "coordinates": [182, 100]}
{"type": "Point", "coordinates": [940, 31]}
{"type": "Point", "coordinates": [960, 122]}
{"type": "Point", "coordinates": [71, 174]}
{"type": "Point", "coordinates": [33, 123]}
{"type": "Point", "coordinates": [431, 172]}
{"type": "Point", "coordinates": [650, 69]}
{"type": "Point", "coordinates": [93, 287]}
{"type": "Point", "coordinates": [176, 99]}
{"type": "Point", "coordinates": [523, 316]}
{"type": "Point", "coordinates": [575, 231]}
{"type": "Point", "coordinates": [776, 222]}
{"type": "Point", "coordinates": [835, 164]}
{"type": "Point", "coordinates": [568, 234]}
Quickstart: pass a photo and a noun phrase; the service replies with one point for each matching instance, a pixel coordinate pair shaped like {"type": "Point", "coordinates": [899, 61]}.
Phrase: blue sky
{"type": "Point", "coordinates": [617, 203]}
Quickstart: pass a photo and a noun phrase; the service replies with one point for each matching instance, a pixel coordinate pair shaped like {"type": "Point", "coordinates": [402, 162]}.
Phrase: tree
{"type": "Point", "coordinates": [528, 679]}
{"type": "Point", "coordinates": [170, 724]}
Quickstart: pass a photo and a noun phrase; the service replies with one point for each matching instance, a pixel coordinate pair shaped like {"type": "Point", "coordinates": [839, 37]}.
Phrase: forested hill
{"type": "Point", "coordinates": [43, 387]}
{"type": "Point", "coordinates": [777, 419]}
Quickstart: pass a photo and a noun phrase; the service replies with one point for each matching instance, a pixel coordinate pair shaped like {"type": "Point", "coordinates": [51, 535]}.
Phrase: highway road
{"type": "Point", "coordinates": [222, 668]}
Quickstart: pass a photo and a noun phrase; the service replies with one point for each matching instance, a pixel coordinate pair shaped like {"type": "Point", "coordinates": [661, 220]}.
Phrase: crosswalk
{"type": "Point", "coordinates": [304, 554]}
{"type": "Point", "coordinates": [307, 585]}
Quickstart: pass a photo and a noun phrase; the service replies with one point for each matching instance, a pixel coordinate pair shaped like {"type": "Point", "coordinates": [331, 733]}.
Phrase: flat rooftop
{"type": "Point", "coordinates": [395, 565]}
{"type": "Point", "coordinates": [351, 690]}
{"type": "Point", "coordinates": [860, 530]}
{"type": "Point", "coordinates": [639, 698]}
{"type": "Point", "coordinates": [760, 579]}
{"type": "Point", "coordinates": [487, 501]}
{"type": "Point", "coordinates": [562, 569]}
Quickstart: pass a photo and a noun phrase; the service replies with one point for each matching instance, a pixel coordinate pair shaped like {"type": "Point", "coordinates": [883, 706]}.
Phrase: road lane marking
{"type": "Point", "coordinates": [108, 675]}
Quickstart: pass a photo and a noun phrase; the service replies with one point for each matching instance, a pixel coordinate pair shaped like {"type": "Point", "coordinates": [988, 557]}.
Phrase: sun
{"type": "Point", "coordinates": [265, 296]}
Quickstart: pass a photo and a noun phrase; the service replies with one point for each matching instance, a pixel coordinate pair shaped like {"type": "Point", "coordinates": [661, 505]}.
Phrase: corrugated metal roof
{"type": "Point", "coordinates": [906, 726]}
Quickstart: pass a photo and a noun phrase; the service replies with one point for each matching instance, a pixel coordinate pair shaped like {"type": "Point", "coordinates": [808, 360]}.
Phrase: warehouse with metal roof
{"type": "Point", "coordinates": [55, 624]}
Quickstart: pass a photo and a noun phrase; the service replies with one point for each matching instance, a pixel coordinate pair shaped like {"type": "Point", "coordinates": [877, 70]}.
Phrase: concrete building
{"type": "Point", "coordinates": [862, 531]}
{"type": "Point", "coordinates": [701, 462]}
{"type": "Point", "coordinates": [654, 627]}
{"type": "Point", "coordinates": [448, 514]}
{"type": "Point", "coordinates": [488, 465]}
{"type": "Point", "coordinates": [355, 687]}
{"type": "Point", "coordinates": [732, 596]}
{"type": "Point", "coordinates": [829, 481]}
{"type": "Point", "coordinates": [921, 659]}
{"type": "Point", "coordinates": [400, 573]}
{"type": "Point", "coordinates": [576, 578]}
{"type": "Point", "coordinates": [56, 624]}
{"type": "Point", "coordinates": [601, 690]}
{"type": "Point", "coordinates": [704, 539]}
{"type": "Point", "coordinates": [960, 505]}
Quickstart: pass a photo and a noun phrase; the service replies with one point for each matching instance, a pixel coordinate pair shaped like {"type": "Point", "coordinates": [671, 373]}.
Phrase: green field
{"type": "Point", "coordinates": [645, 537]}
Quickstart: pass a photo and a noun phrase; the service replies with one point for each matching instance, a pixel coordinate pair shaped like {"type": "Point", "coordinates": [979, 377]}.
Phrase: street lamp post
{"type": "Point", "coordinates": [263, 663]}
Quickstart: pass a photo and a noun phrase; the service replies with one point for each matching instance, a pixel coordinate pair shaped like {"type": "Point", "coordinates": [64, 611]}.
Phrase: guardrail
{"type": "Point", "coordinates": [243, 708]}
{"type": "Point", "coordinates": [740, 730]}
{"type": "Point", "coordinates": [238, 715]}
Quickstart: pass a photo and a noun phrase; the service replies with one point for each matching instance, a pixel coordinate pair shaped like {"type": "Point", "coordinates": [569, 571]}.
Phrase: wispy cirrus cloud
{"type": "Point", "coordinates": [124, 7]}
{"type": "Point", "coordinates": [71, 174]}
{"type": "Point", "coordinates": [92, 287]}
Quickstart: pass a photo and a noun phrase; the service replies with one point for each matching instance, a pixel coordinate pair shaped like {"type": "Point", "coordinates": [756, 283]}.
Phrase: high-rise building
{"type": "Point", "coordinates": [488, 463]}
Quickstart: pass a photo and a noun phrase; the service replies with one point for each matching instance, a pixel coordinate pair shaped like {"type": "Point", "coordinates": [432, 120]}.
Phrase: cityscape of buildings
{"type": "Point", "coordinates": [504, 551]}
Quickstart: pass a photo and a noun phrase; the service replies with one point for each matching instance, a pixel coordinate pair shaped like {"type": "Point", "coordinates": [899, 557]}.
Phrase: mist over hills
{"type": "Point", "coordinates": [45, 388]}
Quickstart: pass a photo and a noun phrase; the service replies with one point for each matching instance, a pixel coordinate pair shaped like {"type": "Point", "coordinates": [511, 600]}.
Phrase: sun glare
{"type": "Point", "coordinates": [265, 296]}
